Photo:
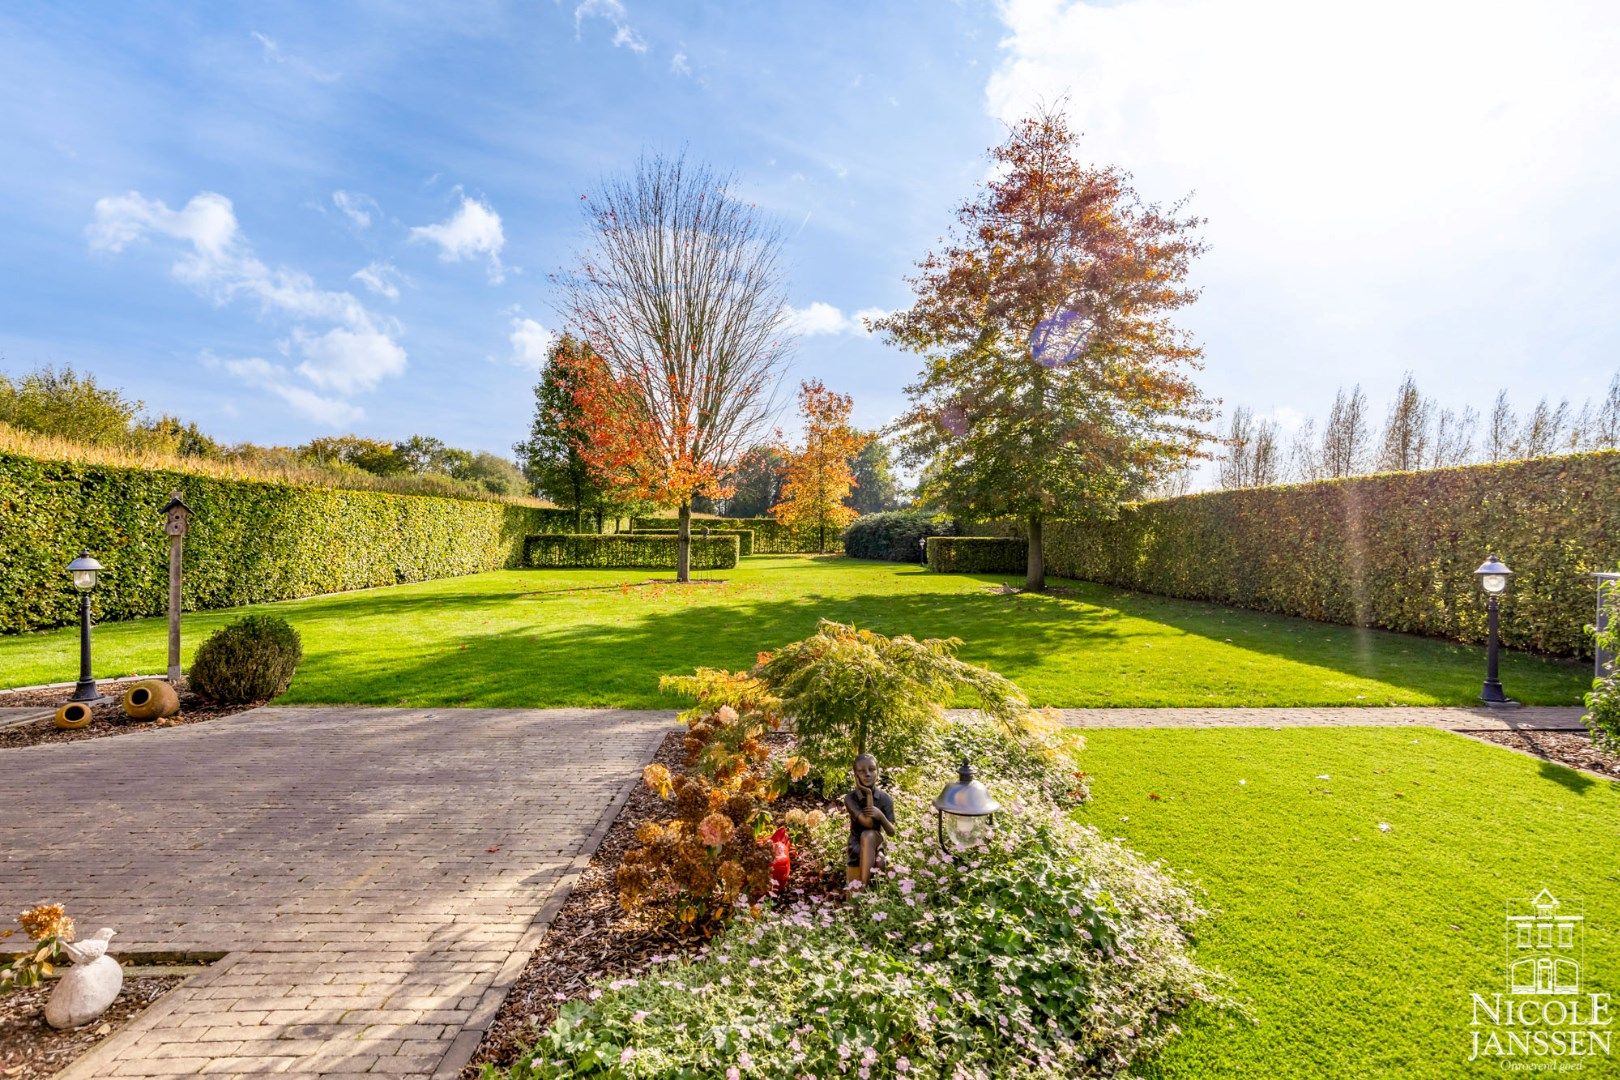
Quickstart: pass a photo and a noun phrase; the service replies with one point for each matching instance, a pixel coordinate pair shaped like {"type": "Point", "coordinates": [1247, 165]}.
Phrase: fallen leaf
{"type": "Point", "coordinates": [103, 1029]}
{"type": "Point", "coordinates": [493, 850]}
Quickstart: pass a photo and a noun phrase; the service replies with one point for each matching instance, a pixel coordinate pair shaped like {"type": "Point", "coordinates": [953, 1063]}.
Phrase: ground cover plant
{"type": "Point", "coordinates": [1355, 948]}
{"type": "Point", "coordinates": [589, 637]}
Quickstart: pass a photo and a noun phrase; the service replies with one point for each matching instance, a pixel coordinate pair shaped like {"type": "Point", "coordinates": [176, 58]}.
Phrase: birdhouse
{"type": "Point", "coordinates": [176, 515]}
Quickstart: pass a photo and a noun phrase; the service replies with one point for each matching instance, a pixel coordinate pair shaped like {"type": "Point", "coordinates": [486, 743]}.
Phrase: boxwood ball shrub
{"type": "Point", "coordinates": [1396, 550]}
{"type": "Point", "coordinates": [893, 535]}
{"type": "Point", "coordinates": [626, 551]}
{"type": "Point", "coordinates": [978, 554]}
{"type": "Point", "coordinates": [252, 659]}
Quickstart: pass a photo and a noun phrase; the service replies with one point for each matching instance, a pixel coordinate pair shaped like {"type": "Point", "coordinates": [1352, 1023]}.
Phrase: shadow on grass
{"type": "Point", "coordinates": [1094, 634]}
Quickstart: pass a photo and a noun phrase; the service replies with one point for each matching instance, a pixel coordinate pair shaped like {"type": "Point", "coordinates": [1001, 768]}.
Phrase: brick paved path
{"type": "Point", "coordinates": [341, 857]}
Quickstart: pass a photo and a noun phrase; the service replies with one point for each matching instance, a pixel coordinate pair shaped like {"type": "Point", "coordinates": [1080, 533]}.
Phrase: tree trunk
{"type": "Point", "coordinates": [683, 545]}
{"type": "Point", "coordinates": [1035, 577]}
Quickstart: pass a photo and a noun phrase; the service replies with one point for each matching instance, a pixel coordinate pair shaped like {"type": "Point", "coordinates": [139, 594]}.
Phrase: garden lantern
{"type": "Point", "coordinates": [84, 570]}
{"type": "Point", "coordinates": [966, 812]}
{"type": "Point", "coordinates": [922, 550]}
{"type": "Point", "coordinates": [1493, 578]}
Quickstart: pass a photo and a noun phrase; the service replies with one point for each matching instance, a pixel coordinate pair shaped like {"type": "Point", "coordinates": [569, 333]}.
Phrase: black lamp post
{"type": "Point", "coordinates": [966, 812]}
{"type": "Point", "coordinates": [84, 570]}
{"type": "Point", "coordinates": [1493, 578]}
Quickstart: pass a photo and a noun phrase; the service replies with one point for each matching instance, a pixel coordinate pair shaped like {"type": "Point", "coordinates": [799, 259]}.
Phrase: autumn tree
{"type": "Point", "coordinates": [1054, 381]}
{"type": "Point", "coordinates": [557, 454]}
{"type": "Point", "coordinates": [818, 476]}
{"type": "Point", "coordinates": [679, 292]}
{"type": "Point", "coordinates": [755, 481]}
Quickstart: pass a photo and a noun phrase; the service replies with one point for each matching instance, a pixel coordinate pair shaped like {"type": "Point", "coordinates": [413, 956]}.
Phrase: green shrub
{"type": "Point", "coordinates": [850, 691]}
{"type": "Point", "coordinates": [1050, 952]}
{"type": "Point", "coordinates": [771, 537]}
{"type": "Point", "coordinates": [252, 659]}
{"type": "Point", "coordinates": [893, 535]}
{"type": "Point", "coordinates": [977, 554]}
{"type": "Point", "coordinates": [626, 551]}
{"type": "Point", "coordinates": [250, 542]}
{"type": "Point", "coordinates": [1397, 550]}
{"type": "Point", "coordinates": [745, 537]}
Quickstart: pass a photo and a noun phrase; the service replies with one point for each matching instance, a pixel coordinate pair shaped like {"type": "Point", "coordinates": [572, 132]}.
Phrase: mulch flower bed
{"type": "Point", "coordinates": [1572, 748]}
{"type": "Point", "coordinates": [30, 1049]}
{"type": "Point", "coordinates": [592, 938]}
{"type": "Point", "coordinates": [106, 718]}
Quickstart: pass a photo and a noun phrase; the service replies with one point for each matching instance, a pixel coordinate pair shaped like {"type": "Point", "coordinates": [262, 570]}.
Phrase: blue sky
{"type": "Point", "coordinates": [283, 220]}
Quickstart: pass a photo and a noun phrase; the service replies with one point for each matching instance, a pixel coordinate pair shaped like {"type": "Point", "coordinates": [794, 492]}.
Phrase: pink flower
{"type": "Point", "coordinates": [627, 1055]}
{"type": "Point", "coordinates": [733, 1074]}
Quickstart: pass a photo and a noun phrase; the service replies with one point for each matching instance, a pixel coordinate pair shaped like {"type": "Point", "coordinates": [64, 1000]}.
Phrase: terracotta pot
{"type": "Point", "coordinates": [75, 714]}
{"type": "Point", "coordinates": [151, 700]}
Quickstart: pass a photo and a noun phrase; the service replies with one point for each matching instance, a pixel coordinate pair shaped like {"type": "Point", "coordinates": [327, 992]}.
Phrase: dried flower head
{"type": "Point", "coordinates": [798, 767]}
{"type": "Point", "coordinates": [715, 830]}
{"type": "Point", "coordinates": [47, 920]}
{"type": "Point", "coordinates": [656, 777]}
{"type": "Point", "coordinates": [814, 819]}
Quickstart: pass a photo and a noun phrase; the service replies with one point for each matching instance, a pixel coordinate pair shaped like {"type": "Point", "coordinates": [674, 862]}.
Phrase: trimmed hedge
{"type": "Point", "coordinates": [978, 554]}
{"type": "Point", "coordinates": [250, 541]}
{"type": "Point", "coordinates": [1396, 550]}
{"type": "Point", "coordinates": [892, 535]}
{"type": "Point", "coordinates": [771, 537]}
{"type": "Point", "coordinates": [626, 551]}
{"type": "Point", "coordinates": [745, 537]}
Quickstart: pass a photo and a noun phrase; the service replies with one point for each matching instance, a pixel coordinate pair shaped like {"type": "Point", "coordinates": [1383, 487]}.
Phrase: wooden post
{"type": "Point", "coordinates": [177, 517]}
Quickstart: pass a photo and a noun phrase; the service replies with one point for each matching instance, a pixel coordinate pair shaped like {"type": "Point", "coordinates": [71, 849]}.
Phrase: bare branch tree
{"type": "Point", "coordinates": [1502, 436]}
{"type": "Point", "coordinates": [1347, 439]}
{"type": "Point", "coordinates": [1407, 431]}
{"type": "Point", "coordinates": [680, 291]}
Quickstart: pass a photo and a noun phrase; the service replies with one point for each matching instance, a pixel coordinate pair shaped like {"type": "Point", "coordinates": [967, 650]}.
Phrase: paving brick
{"type": "Point", "coordinates": [339, 855]}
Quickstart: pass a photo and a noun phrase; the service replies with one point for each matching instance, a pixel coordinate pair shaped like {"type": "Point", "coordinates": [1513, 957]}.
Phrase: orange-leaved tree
{"type": "Point", "coordinates": [680, 295]}
{"type": "Point", "coordinates": [1054, 382]}
{"type": "Point", "coordinates": [817, 476]}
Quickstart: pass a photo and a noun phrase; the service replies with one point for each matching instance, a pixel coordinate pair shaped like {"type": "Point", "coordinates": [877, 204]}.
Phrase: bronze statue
{"type": "Point", "coordinates": [871, 817]}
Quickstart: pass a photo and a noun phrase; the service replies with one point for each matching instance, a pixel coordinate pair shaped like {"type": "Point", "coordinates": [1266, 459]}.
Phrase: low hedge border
{"type": "Point", "coordinates": [625, 551]}
{"type": "Point", "coordinates": [745, 537]}
{"type": "Point", "coordinates": [771, 537]}
{"type": "Point", "coordinates": [978, 554]}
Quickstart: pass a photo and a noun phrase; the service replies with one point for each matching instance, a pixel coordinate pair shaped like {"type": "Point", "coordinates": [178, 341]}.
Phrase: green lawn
{"type": "Point", "coordinates": [585, 637]}
{"type": "Point", "coordinates": [1357, 949]}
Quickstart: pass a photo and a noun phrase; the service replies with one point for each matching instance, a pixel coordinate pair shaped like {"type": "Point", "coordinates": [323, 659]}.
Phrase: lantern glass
{"type": "Point", "coordinates": [84, 580]}
{"type": "Point", "coordinates": [960, 832]}
{"type": "Point", "coordinates": [1493, 583]}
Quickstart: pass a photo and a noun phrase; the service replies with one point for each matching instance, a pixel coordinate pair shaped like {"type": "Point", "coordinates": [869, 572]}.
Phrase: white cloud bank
{"type": "Point", "coordinates": [531, 343]}
{"type": "Point", "coordinates": [340, 346]}
{"type": "Point", "coordinates": [1371, 172]}
{"type": "Point", "coordinates": [823, 318]}
{"type": "Point", "coordinates": [473, 230]}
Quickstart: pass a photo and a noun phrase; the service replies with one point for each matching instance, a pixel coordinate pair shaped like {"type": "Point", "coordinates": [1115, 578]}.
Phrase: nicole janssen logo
{"type": "Point", "coordinates": [1543, 1023]}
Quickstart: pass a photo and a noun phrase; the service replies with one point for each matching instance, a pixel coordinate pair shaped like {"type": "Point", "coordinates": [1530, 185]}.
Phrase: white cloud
{"type": "Point", "coordinates": [347, 360]}
{"type": "Point", "coordinates": [274, 54]}
{"type": "Point", "coordinates": [261, 374]}
{"type": "Point", "coordinates": [473, 230]}
{"type": "Point", "coordinates": [531, 343]}
{"type": "Point", "coordinates": [1367, 174]}
{"type": "Point", "coordinates": [380, 277]}
{"type": "Point", "coordinates": [679, 65]}
{"type": "Point", "coordinates": [823, 318]}
{"type": "Point", "coordinates": [354, 350]}
{"type": "Point", "coordinates": [357, 207]}
{"type": "Point", "coordinates": [612, 11]}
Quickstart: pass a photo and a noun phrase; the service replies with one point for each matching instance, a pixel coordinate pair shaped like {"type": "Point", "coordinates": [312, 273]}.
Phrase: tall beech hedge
{"type": "Point", "coordinates": [745, 537]}
{"type": "Point", "coordinates": [978, 554]}
{"type": "Point", "coordinates": [250, 541]}
{"type": "Point", "coordinates": [626, 551]}
{"type": "Point", "coordinates": [771, 537]}
{"type": "Point", "coordinates": [1396, 550]}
